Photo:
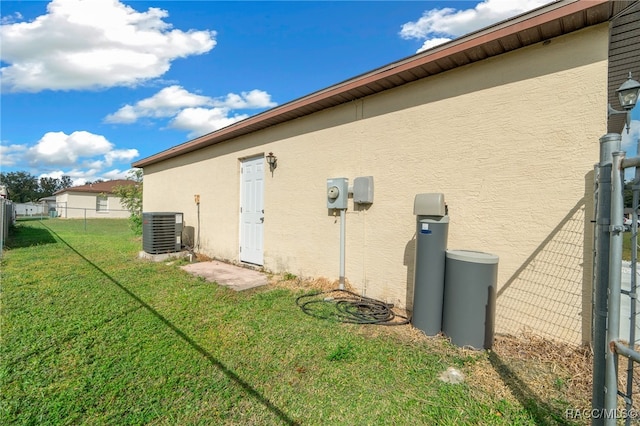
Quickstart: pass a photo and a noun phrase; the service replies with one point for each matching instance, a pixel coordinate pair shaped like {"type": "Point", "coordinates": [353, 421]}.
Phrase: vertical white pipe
{"type": "Point", "coordinates": [342, 245]}
{"type": "Point", "coordinates": [615, 275]}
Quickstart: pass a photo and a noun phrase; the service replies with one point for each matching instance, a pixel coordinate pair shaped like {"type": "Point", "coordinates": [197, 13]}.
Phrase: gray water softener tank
{"type": "Point", "coordinates": [470, 298]}
{"type": "Point", "coordinates": [432, 226]}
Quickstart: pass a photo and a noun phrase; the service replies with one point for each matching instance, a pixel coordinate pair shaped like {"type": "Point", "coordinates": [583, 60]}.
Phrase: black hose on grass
{"type": "Point", "coordinates": [348, 307]}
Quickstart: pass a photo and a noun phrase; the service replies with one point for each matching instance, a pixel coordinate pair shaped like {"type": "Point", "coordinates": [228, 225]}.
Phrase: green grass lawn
{"type": "Point", "coordinates": [93, 335]}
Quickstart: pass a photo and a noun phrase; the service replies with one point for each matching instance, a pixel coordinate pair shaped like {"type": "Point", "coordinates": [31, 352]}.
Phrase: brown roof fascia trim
{"type": "Point", "coordinates": [460, 45]}
{"type": "Point", "coordinates": [523, 22]}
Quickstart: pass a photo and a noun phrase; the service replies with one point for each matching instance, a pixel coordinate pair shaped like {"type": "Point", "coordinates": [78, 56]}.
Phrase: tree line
{"type": "Point", "coordinates": [24, 187]}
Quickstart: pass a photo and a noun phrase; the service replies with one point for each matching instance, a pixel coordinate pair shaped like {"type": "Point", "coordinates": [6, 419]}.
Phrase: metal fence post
{"type": "Point", "coordinates": [615, 273]}
{"type": "Point", "coordinates": [609, 143]}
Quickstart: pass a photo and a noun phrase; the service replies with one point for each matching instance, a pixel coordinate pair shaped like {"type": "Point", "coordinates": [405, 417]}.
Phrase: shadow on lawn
{"type": "Point", "coordinates": [213, 360]}
{"type": "Point", "coordinates": [27, 236]}
{"type": "Point", "coordinates": [542, 412]}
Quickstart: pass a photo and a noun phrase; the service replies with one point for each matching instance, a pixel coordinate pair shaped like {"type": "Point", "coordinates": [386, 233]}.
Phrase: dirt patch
{"type": "Point", "coordinates": [292, 282]}
{"type": "Point", "coordinates": [203, 257]}
{"type": "Point", "coordinates": [552, 370]}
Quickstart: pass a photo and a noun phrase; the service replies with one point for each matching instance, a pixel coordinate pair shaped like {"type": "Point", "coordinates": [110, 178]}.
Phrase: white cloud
{"type": "Point", "coordinates": [437, 26]}
{"type": "Point", "coordinates": [56, 174]}
{"type": "Point", "coordinates": [194, 113]}
{"type": "Point", "coordinates": [166, 103]}
{"type": "Point", "coordinates": [10, 19]}
{"type": "Point", "coordinates": [172, 100]}
{"type": "Point", "coordinates": [247, 100]}
{"type": "Point", "coordinates": [10, 155]}
{"type": "Point", "coordinates": [58, 148]}
{"type": "Point", "coordinates": [120, 155]}
{"type": "Point", "coordinates": [115, 174]}
{"type": "Point", "coordinates": [433, 42]}
{"type": "Point", "coordinates": [200, 121]}
{"type": "Point", "coordinates": [127, 114]}
{"type": "Point", "coordinates": [80, 150]}
{"type": "Point", "coordinates": [80, 177]}
{"type": "Point", "coordinates": [92, 44]}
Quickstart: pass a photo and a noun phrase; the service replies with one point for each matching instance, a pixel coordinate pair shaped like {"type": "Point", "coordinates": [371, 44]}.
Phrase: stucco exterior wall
{"type": "Point", "coordinates": [511, 141]}
{"type": "Point", "coordinates": [79, 205]}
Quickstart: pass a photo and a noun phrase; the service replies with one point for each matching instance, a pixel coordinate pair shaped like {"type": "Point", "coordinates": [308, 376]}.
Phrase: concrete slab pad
{"type": "Point", "coordinates": [232, 276]}
{"type": "Point", "coordinates": [163, 256]}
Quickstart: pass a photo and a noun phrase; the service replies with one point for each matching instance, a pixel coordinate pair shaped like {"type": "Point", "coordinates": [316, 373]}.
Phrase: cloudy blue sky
{"type": "Point", "coordinates": [88, 86]}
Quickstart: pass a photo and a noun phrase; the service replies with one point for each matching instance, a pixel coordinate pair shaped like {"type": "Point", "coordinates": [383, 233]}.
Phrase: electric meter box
{"type": "Point", "coordinates": [431, 204]}
{"type": "Point", "coordinates": [363, 190]}
{"type": "Point", "coordinates": [337, 193]}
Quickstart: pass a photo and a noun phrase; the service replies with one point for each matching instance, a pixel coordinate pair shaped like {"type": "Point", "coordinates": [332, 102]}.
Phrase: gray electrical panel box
{"type": "Point", "coordinates": [363, 190]}
{"type": "Point", "coordinates": [337, 193]}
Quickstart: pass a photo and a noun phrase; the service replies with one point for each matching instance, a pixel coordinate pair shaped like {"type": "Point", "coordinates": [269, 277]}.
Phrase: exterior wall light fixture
{"type": "Point", "coordinates": [628, 97]}
{"type": "Point", "coordinates": [272, 161]}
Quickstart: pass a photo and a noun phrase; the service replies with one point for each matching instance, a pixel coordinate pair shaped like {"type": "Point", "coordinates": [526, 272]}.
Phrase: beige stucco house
{"type": "Point", "coordinates": [502, 121]}
{"type": "Point", "coordinates": [95, 200]}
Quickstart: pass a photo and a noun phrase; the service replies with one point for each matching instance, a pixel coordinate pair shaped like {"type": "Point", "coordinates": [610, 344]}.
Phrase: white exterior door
{"type": "Point", "coordinates": [252, 210]}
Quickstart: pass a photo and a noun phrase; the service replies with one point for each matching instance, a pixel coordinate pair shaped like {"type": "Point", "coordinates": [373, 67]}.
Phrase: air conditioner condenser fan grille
{"type": "Point", "coordinates": [161, 232]}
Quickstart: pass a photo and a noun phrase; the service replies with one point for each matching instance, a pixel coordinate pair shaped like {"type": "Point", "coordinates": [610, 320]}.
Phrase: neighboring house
{"type": "Point", "coordinates": [29, 209]}
{"type": "Point", "coordinates": [50, 205]}
{"type": "Point", "coordinates": [95, 200]}
{"type": "Point", "coordinates": [504, 120]}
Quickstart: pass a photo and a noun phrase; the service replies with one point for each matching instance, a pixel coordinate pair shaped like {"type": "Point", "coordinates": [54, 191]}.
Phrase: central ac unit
{"type": "Point", "coordinates": [161, 232]}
